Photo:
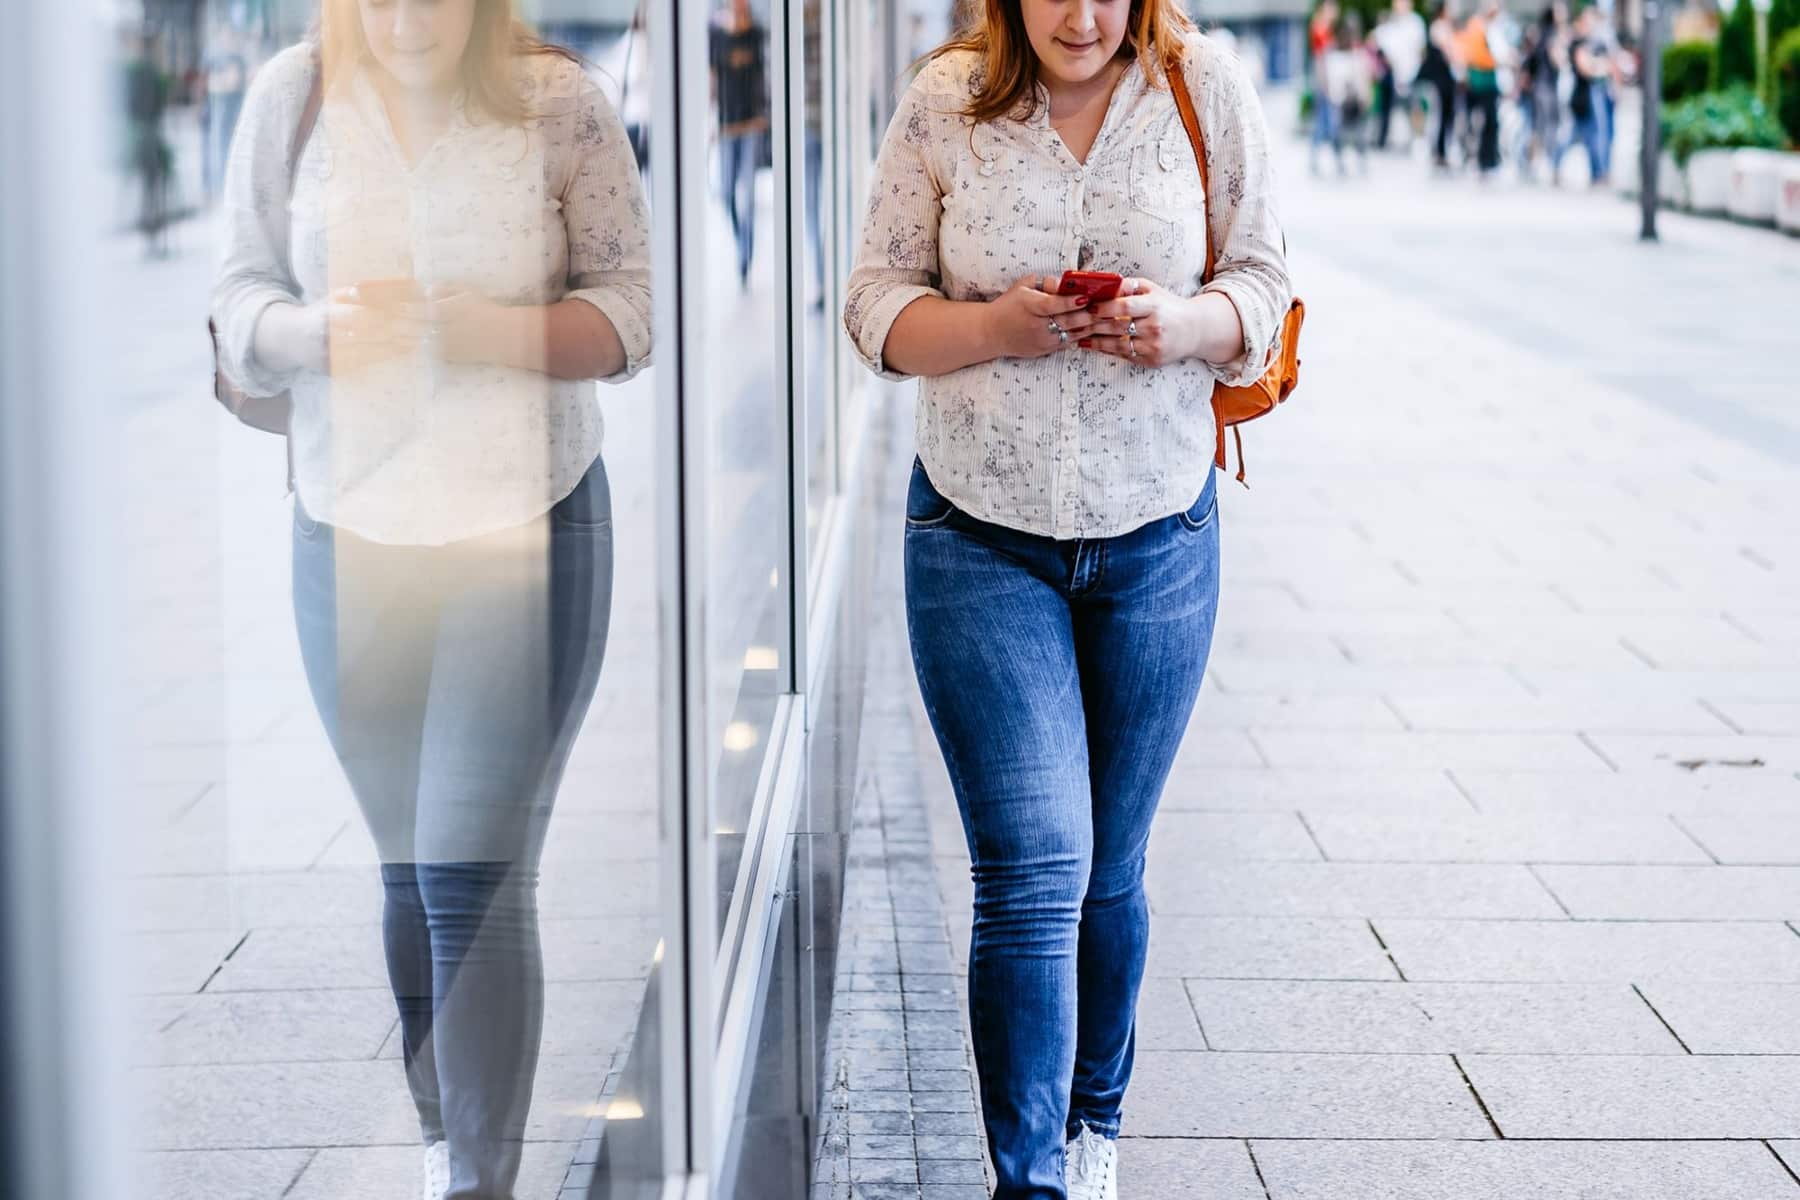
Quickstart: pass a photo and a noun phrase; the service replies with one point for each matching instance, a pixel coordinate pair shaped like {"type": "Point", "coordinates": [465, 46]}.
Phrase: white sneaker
{"type": "Point", "coordinates": [437, 1170]}
{"type": "Point", "coordinates": [1091, 1166]}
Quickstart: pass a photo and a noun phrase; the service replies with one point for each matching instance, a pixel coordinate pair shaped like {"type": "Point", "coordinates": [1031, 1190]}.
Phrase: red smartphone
{"type": "Point", "coordinates": [1095, 285]}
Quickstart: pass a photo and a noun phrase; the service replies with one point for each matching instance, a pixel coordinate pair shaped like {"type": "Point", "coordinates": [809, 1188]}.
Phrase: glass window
{"type": "Point", "coordinates": [396, 893]}
{"type": "Point", "coordinates": [744, 435]}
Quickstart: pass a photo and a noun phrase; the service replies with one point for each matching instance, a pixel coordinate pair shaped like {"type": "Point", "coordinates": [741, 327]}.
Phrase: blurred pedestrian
{"type": "Point", "coordinates": [1400, 36]}
{"type": "Point", "coordinates": [226, 73]}
{"type": "Point", "coordinates": [1348, 84]}
{"type": "Point", "coordinates": [149, 157]}
{"type": "Point", "coordinates": [1440, 70]}
{"type": "Point", "coordinates": [1321, 35]}
{"type": "Point", "coordinates": [1482, 80]}
{"type": "Point", "coordinates": [1590, 66]}
{"type": "Point", "coordinates": [1542, 62]}
{"type": "Point", "coordinates": [740, 82]}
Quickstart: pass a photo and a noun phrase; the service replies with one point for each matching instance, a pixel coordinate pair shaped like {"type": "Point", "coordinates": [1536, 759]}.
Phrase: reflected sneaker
{"type": "Point", "coordinates": [1091, 1166]}
{"type": "Point", "coordinates": [437, 1170]}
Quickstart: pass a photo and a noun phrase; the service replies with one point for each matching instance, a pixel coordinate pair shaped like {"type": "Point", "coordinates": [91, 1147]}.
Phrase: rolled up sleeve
{"type": "Point", "coordinates": [897, 259]}
{"type": "Point", "coordinates": [253, 265]}
{"type": "Point", "coordinates": [1251, 263]}
{"type": "Point", "coordinates": [608, 228]}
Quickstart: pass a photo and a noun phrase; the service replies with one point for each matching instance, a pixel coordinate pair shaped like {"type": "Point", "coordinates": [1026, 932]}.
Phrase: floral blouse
{"type": "Point", "coordinates": [1078, 443]}
{"type": "Point", "coordinates": [416, 450]}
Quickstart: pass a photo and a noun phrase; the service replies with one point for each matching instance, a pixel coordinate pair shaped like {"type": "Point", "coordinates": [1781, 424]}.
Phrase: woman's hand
{"type": "Point", "coordinates": [464, 326]}
{"type": "Point", "coordinates": [353, 334]}
{"type": "Point", "coordinates": [1020, 319]}
{"type": "Point", "coordinates": [1148, 325]}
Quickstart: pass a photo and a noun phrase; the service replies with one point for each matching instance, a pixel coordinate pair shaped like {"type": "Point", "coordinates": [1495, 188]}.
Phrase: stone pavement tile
{"type": "Point", "coordinates": [1427, 1018]}
{"type": "Point", "coordinates": [1360, 679]}
{"type": "Point", "coordinates": [1514, 1170]}
{"type": "Point", "coordinates": [1191, 837]}
{"type": "Point", "coordinates": [1734, 754]}
{"type": "Point", "coordinates": [1638, 1095]}
{"type": "Point", "coordinates": [1788, 1150]}
{"type": "Point", "coordinates": [1177, 1093]}
{"type": "Point", "coordinates": [1776, 684]}
{"type": "Point", "coordinates": [1625, 712]}
{"type": "Point", "coordinates": [1468, 649]}
{"type": "Point", "coordinates": [593, 1019]}
{"type": "Point", "coordinates": [1165, 1017]}
{"type": "Point", "coordinates": [1179, 1168]}
{"type": "Point", "coordinates": [1282, 645]}
{"type": "Point", "coordinates": [1422, 791]}
{"type": "Point", "coordinates": [1746, 839]}
{"type": "Point", "coordinates": [1534, 793]}
{"type": "Point", "coordinates": [1265, 948]}
{"type": "Point", "coordinates": [1676, 893]}
{"type": "Point", "coordinates": [277, 1105]}
{"type": "Point", "coordinates": [1581, 951]}
{"type": "Point", "coordinates": [1329, 889]}
{"type": "Point", "coordinates": [1519, 751]}
{"type": "Point", "coordinates": [174, 963]}
{"type": "Point", "coordinates": [1236, 613]}
{"type": "Point", "coordinates": [1735, 1018]}
{"type": "Point", "coordinates": [390, 1172]}
{"type": "Point", "coordinates": [251, 1027]}
{"type": "Point", "coordinates": [1292, 711]}
{"type": "Point", "coordinates": [218, 1174]}
{"type": "Point", "coordinates": [1538, 838]}
{"type": "Point", "coordinates": [1205, 749]}
{"type": "Point", "coordinates": [1762, 716]}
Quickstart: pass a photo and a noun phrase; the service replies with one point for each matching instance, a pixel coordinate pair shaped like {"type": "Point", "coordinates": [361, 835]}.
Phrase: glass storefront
{"type": "Point", "coordinates": [428, 762]}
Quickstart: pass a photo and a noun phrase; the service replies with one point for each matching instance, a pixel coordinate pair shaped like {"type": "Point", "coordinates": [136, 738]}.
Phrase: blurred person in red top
{"type": "Point", "coordinates": [1321, 34]}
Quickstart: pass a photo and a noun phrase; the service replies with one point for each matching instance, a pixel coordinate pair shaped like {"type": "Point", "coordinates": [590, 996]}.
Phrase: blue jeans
{"type": "Point", "coordinates": [1059, 677]}
{"type": "Point", "coordinates": [738, 180]}
{"type": "Point", "coordinates": [451, 681]}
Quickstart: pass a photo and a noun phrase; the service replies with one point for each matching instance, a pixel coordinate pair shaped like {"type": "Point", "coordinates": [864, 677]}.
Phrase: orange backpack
{"type": "Point", "coordinates": [1232, 406]}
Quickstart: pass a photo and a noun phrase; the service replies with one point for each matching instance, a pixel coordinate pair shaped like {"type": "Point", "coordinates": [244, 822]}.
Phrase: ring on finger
{"type": "Point", "coordinates": [1131, 329]}
{"type": "Point", "coordinates": [1130, 346]}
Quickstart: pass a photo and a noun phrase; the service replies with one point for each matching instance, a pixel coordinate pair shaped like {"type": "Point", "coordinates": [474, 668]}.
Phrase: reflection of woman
{"type": "Point", "coordinates": [467, 251]}
{"type": "Point", "coordinates": [1061, 535]}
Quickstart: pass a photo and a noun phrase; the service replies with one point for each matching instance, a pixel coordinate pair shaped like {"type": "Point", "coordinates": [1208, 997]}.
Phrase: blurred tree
{"type": "Point", "coordinates": [1785, 64]}
{"type": "Point", "coordinates": [1688, 68]}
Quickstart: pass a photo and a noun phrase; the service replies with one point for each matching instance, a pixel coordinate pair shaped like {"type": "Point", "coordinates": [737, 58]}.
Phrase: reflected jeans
{"type": "Point", "coordinates": [739, 184]}
{"type": "Point", "coordinates": [1059, 677]}
{"type": "Point", "coordinates": [451, 681]}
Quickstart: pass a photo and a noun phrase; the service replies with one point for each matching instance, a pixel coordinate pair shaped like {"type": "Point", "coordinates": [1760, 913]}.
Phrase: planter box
{"type": "Point", "coordinates": [1753, 185]}
{"type": "Point", "coordinates": [1671, 184]}
{"type": "Point", "coordinates": [1787, 193]}
{"type": "Point", "coordinates": [1709, 181]}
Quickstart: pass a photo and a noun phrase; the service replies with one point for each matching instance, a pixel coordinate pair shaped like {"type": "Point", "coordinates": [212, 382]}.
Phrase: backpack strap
{"type": "Point", "coordinates": [309, 116]}
{"type": "Point", "coordinates": [1184, 103]}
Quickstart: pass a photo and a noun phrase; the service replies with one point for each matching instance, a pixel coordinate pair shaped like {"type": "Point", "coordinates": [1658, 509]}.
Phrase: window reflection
{"type": "Point", "coordinates": [397, 900]}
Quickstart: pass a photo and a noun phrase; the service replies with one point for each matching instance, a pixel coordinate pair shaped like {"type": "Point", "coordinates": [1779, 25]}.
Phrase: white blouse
{"type": "Point", "coordinates": [1077, 443]}
{"type": "Point", "coordinates": [415, 450]}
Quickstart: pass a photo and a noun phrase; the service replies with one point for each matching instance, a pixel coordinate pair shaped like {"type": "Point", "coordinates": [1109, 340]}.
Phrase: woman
{"type": "Point", "coordinates": [741, 85]}
{"type": "Point", "coordinates": [467, 251]}
{"type": "Point", "coordinates": [1442, 69]}
{"type": "Point", "coordinates": [1061, 544]}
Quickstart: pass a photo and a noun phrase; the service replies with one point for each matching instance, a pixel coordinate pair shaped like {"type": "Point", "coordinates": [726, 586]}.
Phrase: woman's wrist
{"type": "Point", "coordinates": [292, 337]}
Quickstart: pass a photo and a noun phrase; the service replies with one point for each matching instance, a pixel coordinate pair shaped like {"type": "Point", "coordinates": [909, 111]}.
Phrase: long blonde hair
{"type": "Point", "coordinates": [1153, 32]}
{"type": "Point", "coordinates": [497, 39]}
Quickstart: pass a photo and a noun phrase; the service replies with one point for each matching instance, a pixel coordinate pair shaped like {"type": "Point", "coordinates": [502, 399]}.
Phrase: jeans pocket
{"type": "Point", "coordinates": [589, 506]}
{"type": "Point", "coordinates": [1205, 508]}
{"type": "Point", "coordinates": [926, 507]}
{"type": "Point", "coordinates": [304, 525]}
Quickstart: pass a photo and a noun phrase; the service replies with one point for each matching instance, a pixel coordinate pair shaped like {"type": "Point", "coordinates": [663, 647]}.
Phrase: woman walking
{"type": "Point", "coordinates": [467, 251]}
{"type": "Point", "coordinates": [1062, 545]}
{"type": "Point", "coordinates": [1441, 70]}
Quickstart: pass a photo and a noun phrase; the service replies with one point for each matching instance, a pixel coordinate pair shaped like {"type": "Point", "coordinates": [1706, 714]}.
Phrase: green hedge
{"type": "Point", "coordinates": [1726, 120]}
{"type": "Point", "coordinates": [1785, 63]}
{"type": "Point", "coordinates": [1737, 46]}
{"type": "Point", "coordinates": [1688, 68]}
